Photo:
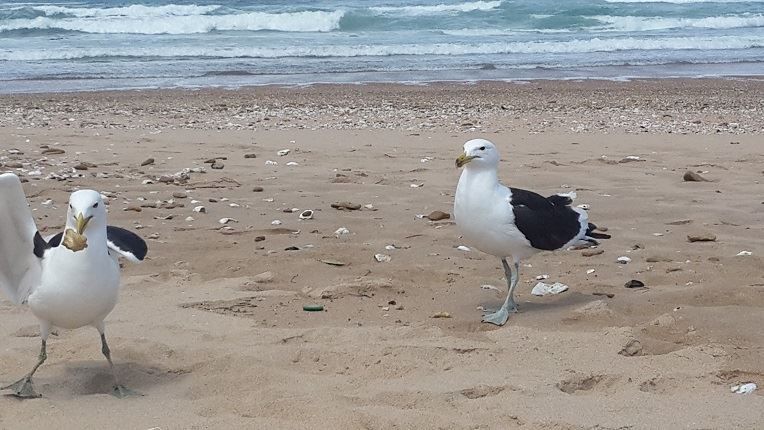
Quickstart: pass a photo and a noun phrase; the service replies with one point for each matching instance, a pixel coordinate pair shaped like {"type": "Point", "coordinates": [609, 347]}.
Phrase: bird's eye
{"type": "Point", "coordinates": [482, 148]}
{"type": "Point", "coordinates": [95, 205]}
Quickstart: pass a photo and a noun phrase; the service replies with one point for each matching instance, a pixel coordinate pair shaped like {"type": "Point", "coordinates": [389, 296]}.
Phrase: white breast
{"type": "Point", "coordinates": [77, 288]}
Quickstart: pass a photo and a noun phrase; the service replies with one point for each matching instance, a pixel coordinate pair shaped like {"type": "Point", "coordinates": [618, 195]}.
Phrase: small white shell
{"type": "Point", "coordinates": [623, 260]}
{"type": "Point", "coordinates": [416, 185]}
{"type": "Point", "coordinates": [200, 209]}
{"type": "Point", "coordinates": [741, 253]}
{"type": "Point", "coordinates": [284, 152]}
{"type": "Point", "coordinates": [189, 218]}
{"type": "Point", "coordinates": [463, 248]}
{"type": "Point", "coordinates": [306, 214]}
{"type": "Point", "coordinates": [234, 205]}
{"type": "Point", "coordinates": [747, 388]}
{"type": "Point", "coordinates": [542, 289]}
{"type": "Point", "coordinates": [293, 163]}
{"type": "Point", "coordinates": [542, 277]}
{"type": "Point", "coordinates": [271, 163]}
{"type": "Point", "coordinates": [390, 247]}
{"type": "Point", "coordinates": [341, 231]}
{"type": "Point", "coordinates": [226, 220]}
{"type": "Point", "coordinates": [590, 271]}
{"type": "Point", "coordinates": [276, 222]}
{"type": "Point", "coordinates": [382, 258]}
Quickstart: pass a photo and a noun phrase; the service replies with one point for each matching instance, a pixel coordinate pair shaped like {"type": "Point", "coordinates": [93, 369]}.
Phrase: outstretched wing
{"type": "Point", "coordinates": [126, 243]}
{"type": "Point", "coordinates": [21, 246]}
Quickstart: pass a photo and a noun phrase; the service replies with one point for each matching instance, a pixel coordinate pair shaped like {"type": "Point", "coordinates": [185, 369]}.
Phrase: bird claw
{"type": "Point", "coordinates": [499, 317]}
{"type": "Point", "coordinates": [23, 388]}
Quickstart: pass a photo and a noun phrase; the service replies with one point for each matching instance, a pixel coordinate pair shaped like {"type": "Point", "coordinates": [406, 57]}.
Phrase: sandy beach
{"type": "Point", "coordinates": [211, 328]}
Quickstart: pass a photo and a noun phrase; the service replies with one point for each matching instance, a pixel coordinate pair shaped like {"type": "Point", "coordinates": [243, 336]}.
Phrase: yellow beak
{"type": "Point", "coordinates": [82, 222]}
{"type": "Point", "coordinates": [464, 159]}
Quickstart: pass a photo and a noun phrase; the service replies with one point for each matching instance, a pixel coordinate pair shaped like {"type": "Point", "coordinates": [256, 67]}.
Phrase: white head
{"type": "Point", "coordinates": [479, 153]}
{"type": "Point", "coordinates": [87, 212]}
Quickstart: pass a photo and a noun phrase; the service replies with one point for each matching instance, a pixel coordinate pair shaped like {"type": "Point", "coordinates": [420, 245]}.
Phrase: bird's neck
{"type": "Point", "coordinates": [480, 177]}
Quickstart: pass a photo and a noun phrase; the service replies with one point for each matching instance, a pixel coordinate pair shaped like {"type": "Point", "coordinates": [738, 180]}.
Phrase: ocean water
{"type": "Point", "coordinates": [115, 44]}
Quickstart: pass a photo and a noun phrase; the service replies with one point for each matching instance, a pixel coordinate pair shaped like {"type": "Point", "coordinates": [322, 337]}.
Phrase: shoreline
{"type": "Point", "coordinates": [703, 106]}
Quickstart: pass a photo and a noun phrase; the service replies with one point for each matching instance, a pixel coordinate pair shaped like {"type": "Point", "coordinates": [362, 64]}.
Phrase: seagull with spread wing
{"type": "Point", "coordinates": [69, 280]}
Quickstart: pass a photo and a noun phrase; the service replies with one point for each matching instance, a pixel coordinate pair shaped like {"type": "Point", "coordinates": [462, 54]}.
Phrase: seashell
{"type": "Point", "coordinates": [341, 231]}
{"type": "Point", "coordinates": [284, 152]}
{"type": "Point", "coordinates": [276, 222]}
{"type": "Point", "coordinates": [542, 289]}
{"type": "Point", "coordinates": [382, 258]}
{"type": "Point", "coordinates": [463, 248]}
{"type": "Point", "coordinates": [226, 220]}
{"type": "Point", "coordinates": [307, 214]}
{"type": "Point", "coordinates": [623, 260]}
{"type": "Point", "coordinates": [200, 209]}
{"type": "Point", "coordinates": [292, 163]}
{"type": "Point", "coordinates": [271, 163]}
{"type": "Point", "coordinates": [746, 388]}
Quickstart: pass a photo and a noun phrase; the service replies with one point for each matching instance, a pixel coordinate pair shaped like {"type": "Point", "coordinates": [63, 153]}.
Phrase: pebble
{"type": "Point", "coordinates": [133, 208]}
{"type": "Point", "coordinates": [438, 215]}
{"type": "Point", "coordinates": [341, 231]}
{"type": "Point", "coordinates": [690, 176]}
{"type": "Point", "coordinates": [346, 206]}
{"type": "Point", "coordinates": [147, 162]}
{"type": "Point", "coordinates": [306, 214]}
{"type": "Point", "coordinates": [634, 283]}
{"type": "Point", "coordinates": [441, 314]}
{"type": "Point", "coordinates": [701, 237]}
{"type": "Point", "coordinates": [179, 195]}
{"type": "Point", "coordinates": [257, 189]}
{"type": "Point", "coordinates": [250, 155]}
{"type": "Point", "coordinates": [313, 308]}
{"type": "Point", "coordinates": [53, 151]}
{"type": "Point", "coordinates": [632, 348]}
{"type": "Point", "coordinates": [592, 252]}
{"type": "Point", "coordinates": [200, 209]}
{"type": "Point", "coordinates": [259, 238]}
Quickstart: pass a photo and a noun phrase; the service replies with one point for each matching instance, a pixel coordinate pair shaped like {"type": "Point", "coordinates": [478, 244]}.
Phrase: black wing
{"type": "Point", "coordinates": [126, 243]}
{"type": "Point", "coordinates": [40, 245]}
{"type": "Point", "coordinates": [547, 222]}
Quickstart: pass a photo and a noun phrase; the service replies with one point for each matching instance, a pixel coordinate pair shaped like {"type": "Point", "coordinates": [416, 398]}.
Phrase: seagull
{"type": "Point", "coordinates": [510, 222]}
{"type": "Point", "coordinates": [69, 280]}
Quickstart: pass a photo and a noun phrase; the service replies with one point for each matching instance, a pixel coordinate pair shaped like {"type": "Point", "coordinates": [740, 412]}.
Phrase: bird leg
{"type": "Point", "coordinates": [23, 388]}
{"type": "Point", "coordinates": [501, 316]}
{"type": "Point", "coordinates": [118, 390]}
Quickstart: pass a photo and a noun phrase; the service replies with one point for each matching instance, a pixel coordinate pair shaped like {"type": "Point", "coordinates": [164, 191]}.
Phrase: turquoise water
{"type": "Point", "coordinates": [81, 45]}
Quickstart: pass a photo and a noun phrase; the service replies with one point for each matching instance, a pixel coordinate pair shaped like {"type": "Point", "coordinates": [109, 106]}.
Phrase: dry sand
{"type": "Point", "coordinates": [211, 344]}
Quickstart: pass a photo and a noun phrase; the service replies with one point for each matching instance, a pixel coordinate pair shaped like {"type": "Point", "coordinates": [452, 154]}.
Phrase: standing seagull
{"type": "Point", "coordinates": [69, 281]}
{"type": "Point", "coordinates": [510, 222]}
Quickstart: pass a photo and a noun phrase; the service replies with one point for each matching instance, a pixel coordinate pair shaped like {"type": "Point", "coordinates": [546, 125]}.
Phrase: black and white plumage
{"type": "Point", "coordinates": [511, 222]}
{"type": "Point", "coordinates": [69, 280]}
